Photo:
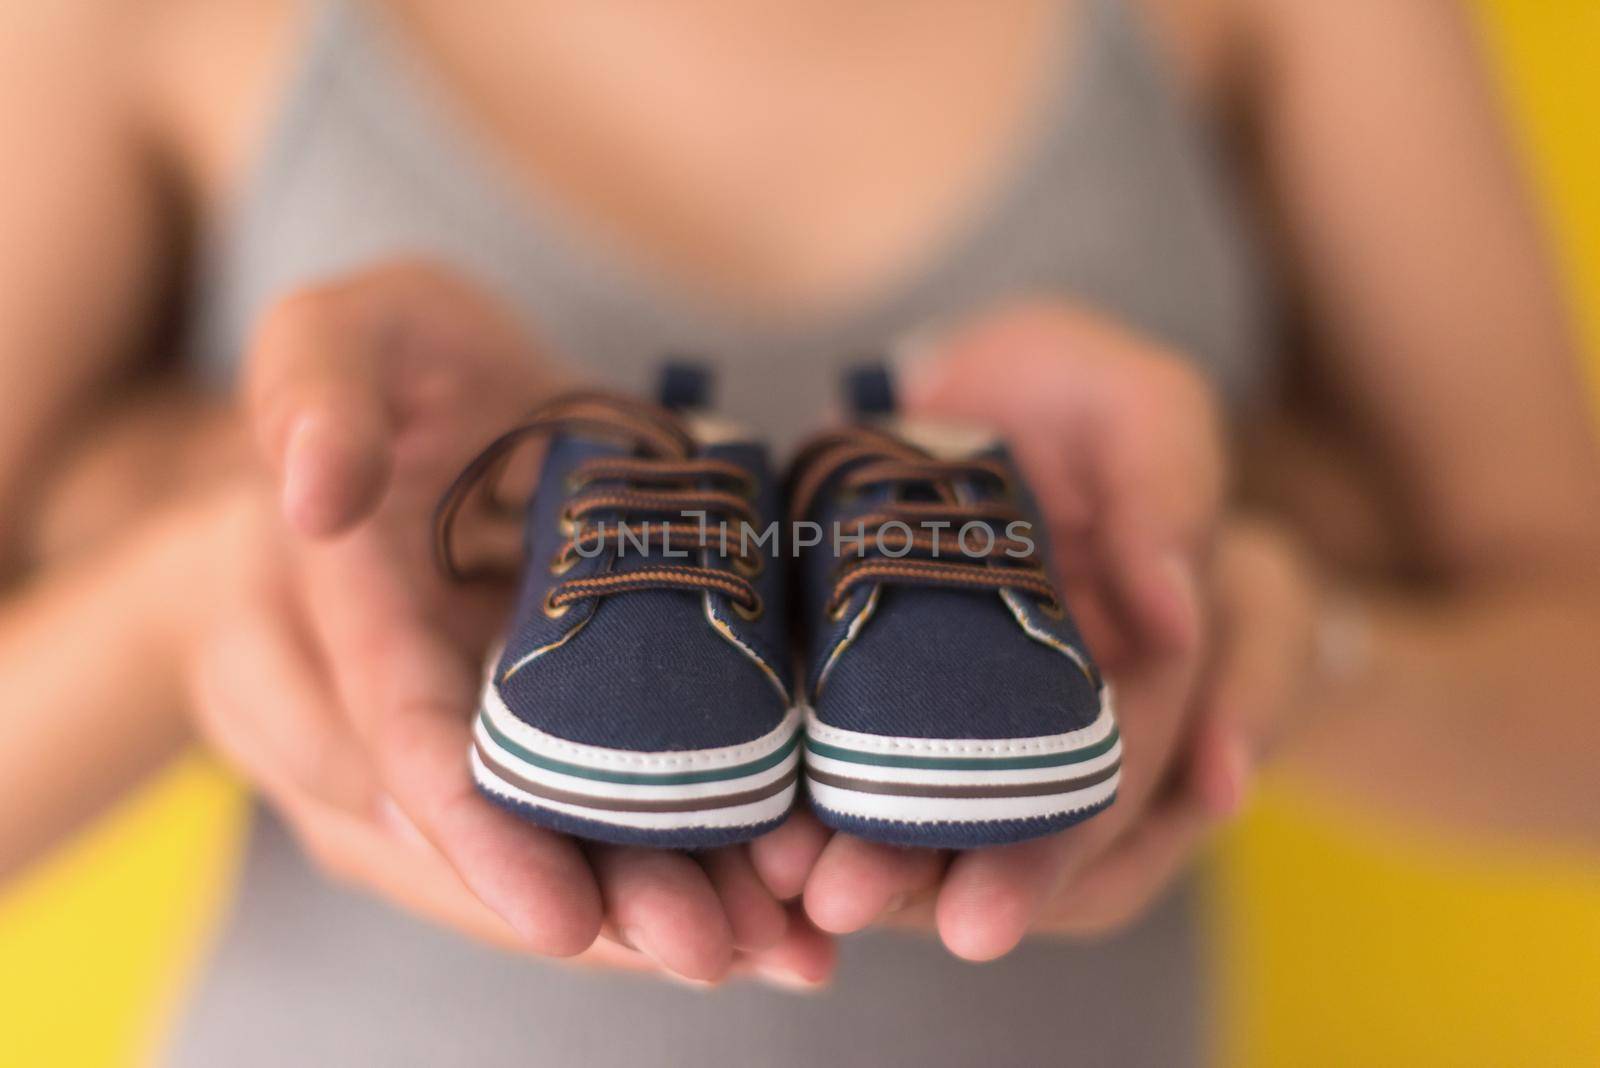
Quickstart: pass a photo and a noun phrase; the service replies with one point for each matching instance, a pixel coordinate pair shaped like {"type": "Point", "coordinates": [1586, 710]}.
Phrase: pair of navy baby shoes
{"type": "Point", "coordinates": [651, 689]}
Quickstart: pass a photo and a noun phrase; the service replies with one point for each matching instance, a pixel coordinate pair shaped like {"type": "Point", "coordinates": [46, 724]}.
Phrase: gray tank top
{"type": "Point", "coordinates": [1114, 201]}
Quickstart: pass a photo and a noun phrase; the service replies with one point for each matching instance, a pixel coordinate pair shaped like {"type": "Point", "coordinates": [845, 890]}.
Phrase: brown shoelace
{"type": "Point", "coordinates": [663, 479]}
{"type": "Point", "coordinates": [870, 459]}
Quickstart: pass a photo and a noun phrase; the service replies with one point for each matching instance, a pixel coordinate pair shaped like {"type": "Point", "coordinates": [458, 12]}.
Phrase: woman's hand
{"type": "Point", "coordinates": [1120, 441]}
{"type": "Point", "coordinates": [263, 699]}
{"type": "Point", "coordinates": [265, 703]}
{"type": "Point", "coordinates": [343, 676]}
{"type": "Point", "coordinates": [1267, 621]}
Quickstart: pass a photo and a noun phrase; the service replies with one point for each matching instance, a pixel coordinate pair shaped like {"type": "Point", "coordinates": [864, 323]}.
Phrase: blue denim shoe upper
{"type": "Point", "coordinates": [925, 646]}
{"type": "Point", "coordinates": [636, 647]}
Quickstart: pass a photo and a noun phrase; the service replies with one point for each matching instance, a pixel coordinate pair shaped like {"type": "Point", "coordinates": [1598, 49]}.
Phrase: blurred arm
{"type": "Point", "coordinates": [80, 225]}
{"type": "Point", "coordinates": [1441, 338]}
{"type": "Point", "coordinates": [89, 698]}
{"type": "Point", "coordinates": [93, 691]}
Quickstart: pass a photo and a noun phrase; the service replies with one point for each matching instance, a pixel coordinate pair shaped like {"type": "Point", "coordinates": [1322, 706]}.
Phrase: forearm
{"type": "Point", "coordinates": [1478, 709]}
{"type": "Point", "coordinates": [94, 697]}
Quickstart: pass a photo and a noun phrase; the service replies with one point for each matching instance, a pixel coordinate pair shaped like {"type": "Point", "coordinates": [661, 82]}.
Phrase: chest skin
{"type": "Point", "coordinates": [792, 159]}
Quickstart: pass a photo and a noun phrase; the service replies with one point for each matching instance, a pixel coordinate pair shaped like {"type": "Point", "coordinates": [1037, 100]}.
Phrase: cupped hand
{"type": "Point", "coordinates": [1267, 623]}
{"type": "Point", "coordinates": [1120, 441]}
{"type": "Point", "coordinates": [344, 672]}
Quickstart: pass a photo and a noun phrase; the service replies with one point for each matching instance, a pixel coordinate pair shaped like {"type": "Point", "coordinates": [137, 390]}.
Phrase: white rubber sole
{"type": "Point", "coordinates": [962, 781]}
{"type": "Point", "coordinates": [636, 795]}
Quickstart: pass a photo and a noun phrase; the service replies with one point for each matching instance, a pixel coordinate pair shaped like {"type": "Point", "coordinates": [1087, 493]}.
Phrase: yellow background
{"type": "Point", "coordinates": [1344, 941]}
{"type": "Point", "coordinates": [1339, 940]}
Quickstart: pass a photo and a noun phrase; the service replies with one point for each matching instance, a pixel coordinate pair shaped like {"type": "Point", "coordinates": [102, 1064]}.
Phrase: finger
{"type": "Point", "coordinates": [1267, 618]}
{"type": "Point", "coordinates": [1119, 436]}
{"type": "Point", "coordinates": [536, 879]}
{"type": "Point", "coordinates": [267, 709]}
{"type": "Point", "coordinates": [754, 915]}
{"type": "Point", "coordinates": [409, 694]}
{"type": "Point", "coordinates": [1149, 587]}
{"type": "Point", "coordinates": [608, 952]}
{"type": "Point", "coordinates": [784, 857]}
{"type": "Point", "coordinates": [1124, 882]}
{"type": "Point", "coordinates": [803, 960]}
{"type": "Point", "coordinates": [1150, 459]}
{"type": "Point", "coordinates": [855, 882]}
{"type": "Point", "coordinates": [409, 874]}
{"type": "Point", "coordinates": [1156, 708]}
{"type": "Point", "coordinates": [319, 405]}
{"type": "Point", "coordinates": [663, 905]}
{"type": "Point", "coordinates": [990, 897]}
{"type": "Point", "coordinates": [1221, 763]}
{"type": "Point", "coordinates": [1127, 880]}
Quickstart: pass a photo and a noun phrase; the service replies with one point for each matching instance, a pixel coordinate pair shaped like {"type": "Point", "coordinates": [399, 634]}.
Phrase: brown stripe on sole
{"type": "Point", "coordinates": [627, 804]}
{"type": "Point", "coordinates": [918, 789]}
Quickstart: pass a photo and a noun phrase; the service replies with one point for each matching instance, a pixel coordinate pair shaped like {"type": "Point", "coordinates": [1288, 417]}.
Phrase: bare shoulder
{"type": "Point", "coordinates": [207, 74]}
{"type": "Point", "coordinates": [1290, 35]}
{"type": "Point", "coordinates": [1402, 16]}
{"type": "Point", "coordinates": [72, 44]}
{"type": "Point", "coordinates": [189, 80]}
{"type": "Point", "coordinates": [1203, 43]}
{"type": "Point", "coordinates": [1231, 54]}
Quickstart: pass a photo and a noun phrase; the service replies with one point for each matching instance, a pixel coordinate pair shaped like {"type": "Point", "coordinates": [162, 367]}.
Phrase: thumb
{"type": "Point", "coordinates": [319, 407]}
{"type": "Point", "coordinates": [937, 380]}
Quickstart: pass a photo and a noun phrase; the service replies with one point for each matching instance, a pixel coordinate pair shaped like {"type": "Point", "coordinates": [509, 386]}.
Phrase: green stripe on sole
{"type": "Point", "coordinates": [895, 760]}
{"type": "Point", "coordinates": [637, 778]}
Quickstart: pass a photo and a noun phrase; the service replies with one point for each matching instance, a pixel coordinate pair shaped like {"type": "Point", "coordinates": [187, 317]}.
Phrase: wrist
{"type": "Point", "coordinates": [1341, 648]}
{"type": "Point", "coordinates": [188, 565]}
{"type": "Point", "coordinates": [1351, 645]}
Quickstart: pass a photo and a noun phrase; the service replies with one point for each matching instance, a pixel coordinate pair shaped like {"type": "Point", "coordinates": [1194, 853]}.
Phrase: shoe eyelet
{"type": "Point", "coordinates": [749, 566]}
{"type": "Point", "coordinates": [839, 611]}
{"type": "Point", "coordinates": [554, 611]}
{"type": "Point", "coordinates": [564, 561]}
{"type": "Point", "coordinates": [751, 614]}
{"type": "Point", "coordinates": [568, 522]}
{"type": "Point", "coordinates": [1052, 609]}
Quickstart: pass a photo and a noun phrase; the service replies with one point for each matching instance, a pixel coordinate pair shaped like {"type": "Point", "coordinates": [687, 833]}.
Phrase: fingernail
{"type": "Point", "coordinates": [1240, 764]}
{"type": "Point", "coordinates": [1181, 596]}
{"type": "Point", "coordinates": [1179, 575]}
{"type": "Point", "coordinates": [296, 468]}
{"type": "Point", "coordinates": [633, 938]}
{"type": "Point", "coordinates": [784, 979]}
{"type": "Point", "coordinates": [398, 823]}
{"type": "Point", "coordinates": [896, 903]}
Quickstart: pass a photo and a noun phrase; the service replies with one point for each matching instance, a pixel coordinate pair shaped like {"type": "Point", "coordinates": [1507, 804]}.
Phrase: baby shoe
{"type": "Point", "coordinates": [642, 694]}
{"type": "Point", "coordinates": [953, 703]}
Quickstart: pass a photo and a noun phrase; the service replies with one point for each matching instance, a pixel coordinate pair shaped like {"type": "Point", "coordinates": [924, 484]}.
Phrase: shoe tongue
{"type": "Point", "coordinates": [685, 385]}
{"type": "Point", "coordinates": [708, 429]}
{"type": "Point", "coordinates": [686, 390]}
{"type": "Point", "coordinates": [869, 390]}
{"type": "Point", "coordinates": [943, 440]}
{"type": "Point", "coordinates": [712, 431]}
